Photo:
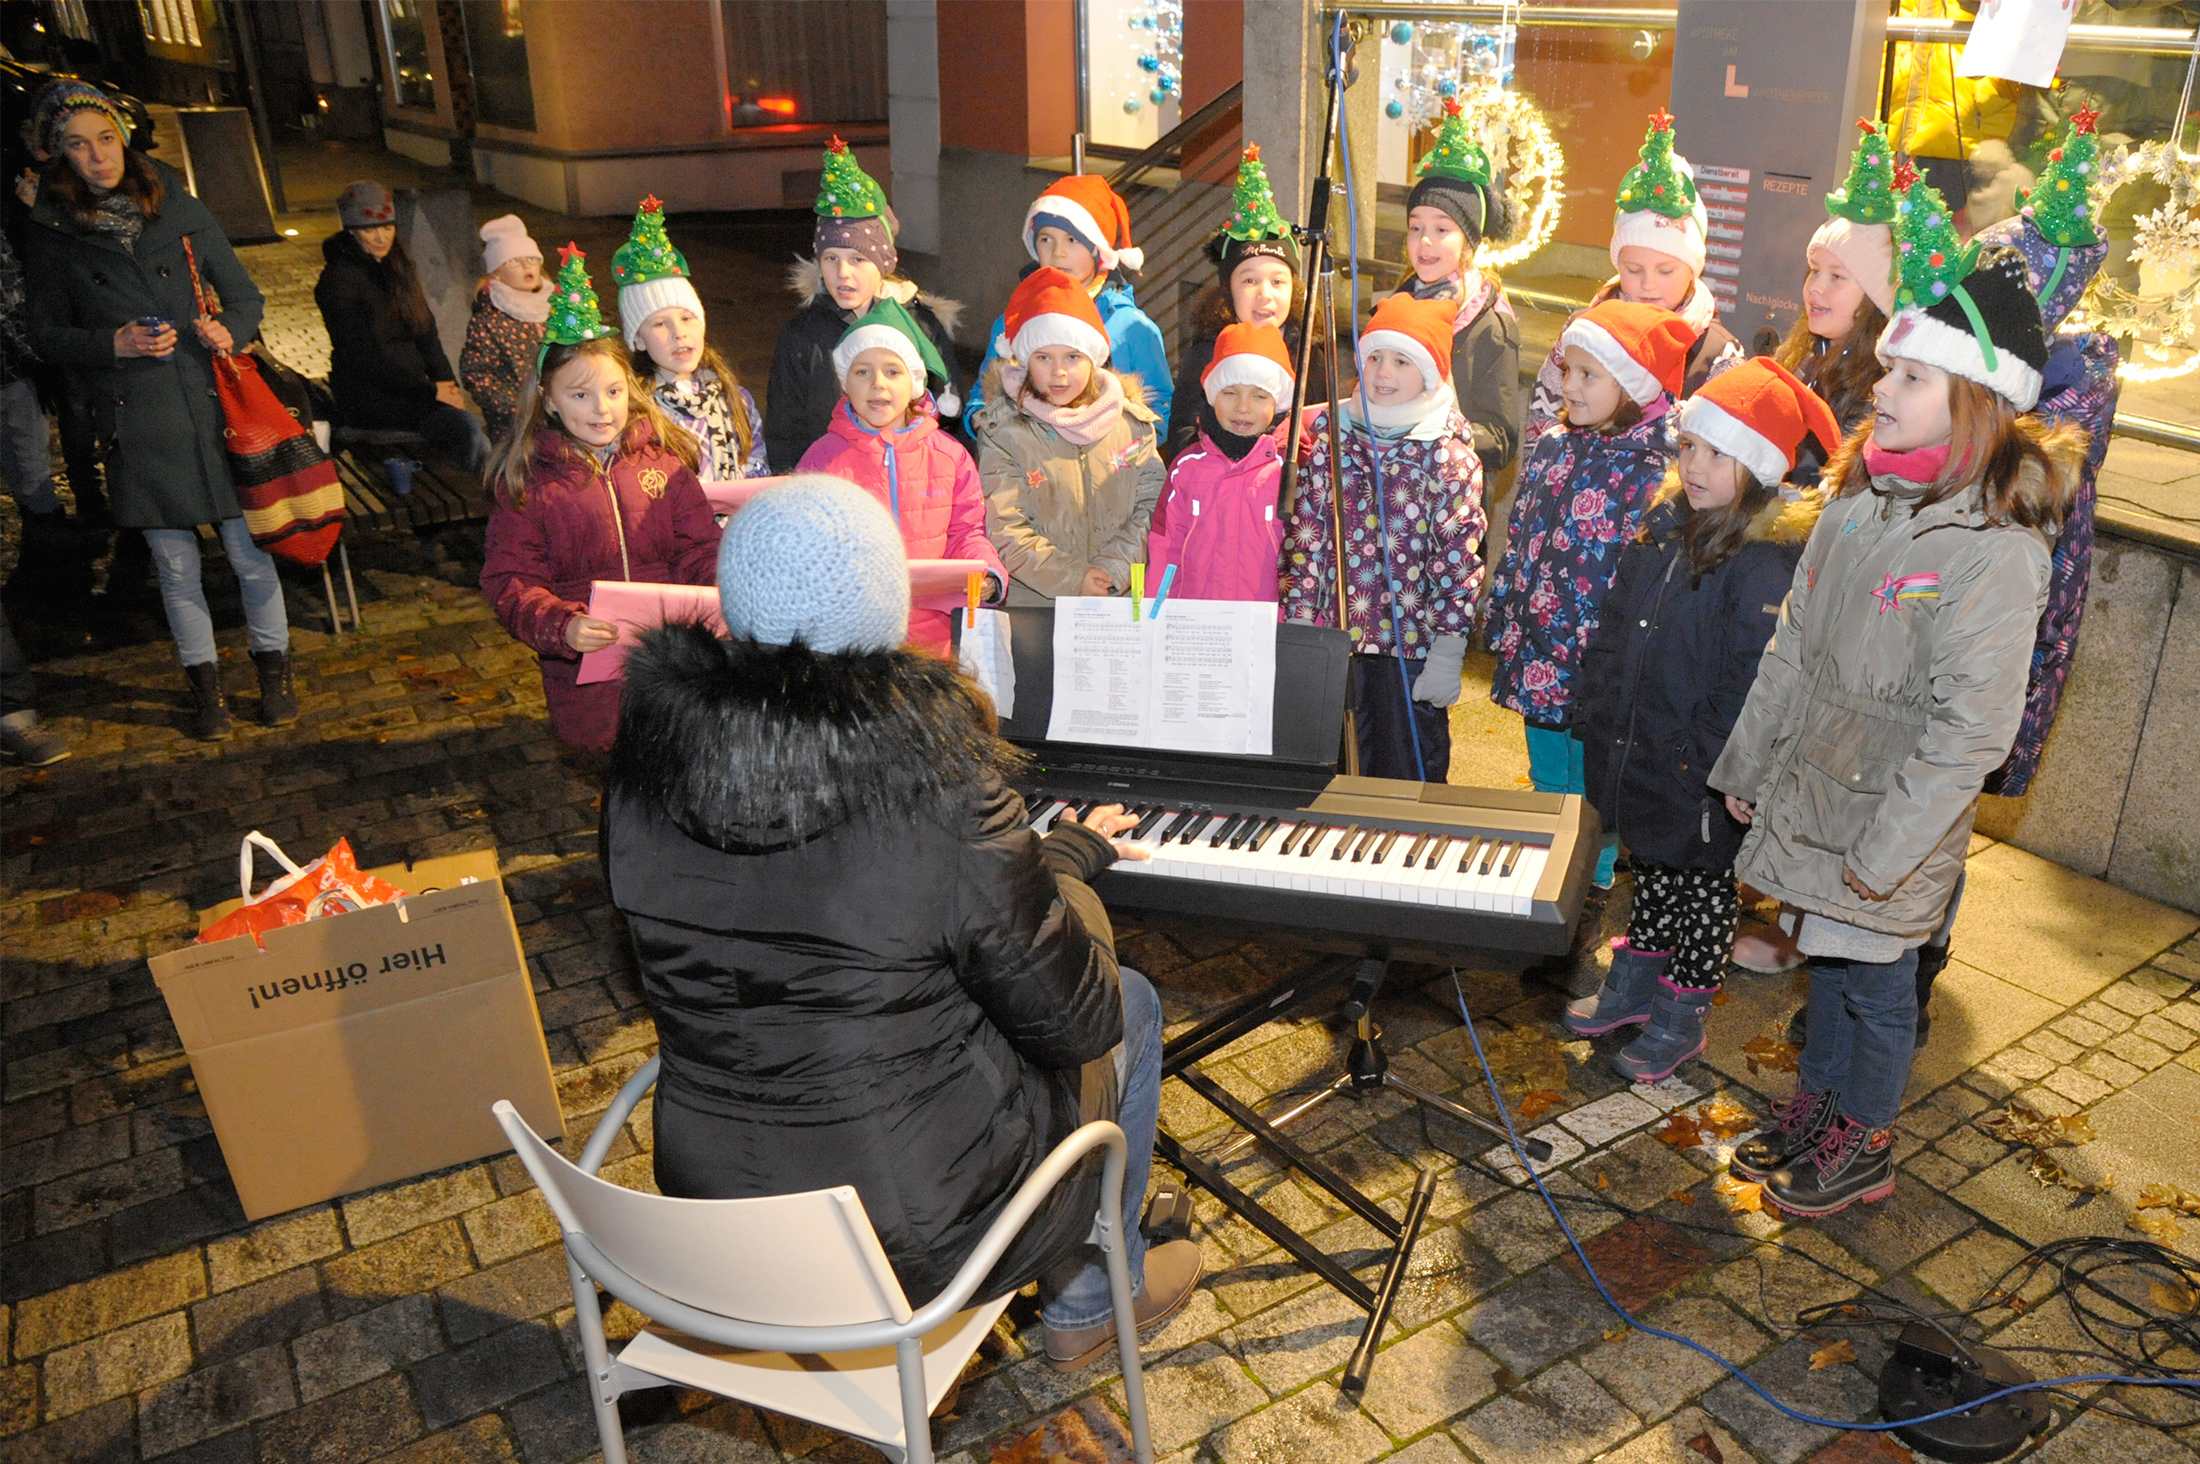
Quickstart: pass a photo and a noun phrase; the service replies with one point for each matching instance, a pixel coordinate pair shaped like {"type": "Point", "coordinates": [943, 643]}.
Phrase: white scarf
{"type": "Point", "coordinates": [532, 306]}
{"type": "Point", "coordinates": [1424, 416]}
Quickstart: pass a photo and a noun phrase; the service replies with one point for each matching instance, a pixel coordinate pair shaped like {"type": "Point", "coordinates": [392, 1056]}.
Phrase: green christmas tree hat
{"type": "Point", "coordinates": [1929, 259]}
{"type": "Point", "coordinates": [1867, 196]}
{"type": "Point", "coordinates": [1252, 205]}
{"type": "Point", "coordinates": [1457, 155]}
{"type": "Point", "coordinates": [2060, 204]}
{"type": "Point", "coordinates": [647, 254]}
{"type": "Point", "coordinates": [1657, 184]}
{"type": "Point", "coordinates": [846, 191]}
{"type": "Point", "coordinates": [574, 314]}
{"type": "Point", "coordinates": [1966, 309]}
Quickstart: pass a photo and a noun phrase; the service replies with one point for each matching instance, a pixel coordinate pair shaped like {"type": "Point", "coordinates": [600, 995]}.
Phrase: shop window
{"type": "Point", "coordinates": [189, 31]}
{"type": "Point", "coordinates": [1134, 70]}
{"type": "Point", "coordinates": [496, 43]}
{"type": "Point", "coordinates": [405, 31]}
{"type": "Point", "coordinates": [805, 61]}
{"type": "Point", "coordinates": [74, 20]}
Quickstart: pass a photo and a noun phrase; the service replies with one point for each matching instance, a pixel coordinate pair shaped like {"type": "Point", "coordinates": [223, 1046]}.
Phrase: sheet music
{"type": "Point", "coordinates": [635, 606]}
{"type": "Point", "coordinates": [1201, 678]}
{"type": "Point", "coordinates": [987, 657]}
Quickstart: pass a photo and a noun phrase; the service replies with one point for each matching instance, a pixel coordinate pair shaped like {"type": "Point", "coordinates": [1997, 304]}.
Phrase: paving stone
{"type": "Point", "coordinates": [116, 1363]}
{"type": "Point", "coordinates": [1447, 1271]}
{"type": "Point", "coordinates": [556, 1425]}
{"type": "Point", "coordinates": [1316, 1423]}
{"type": "Point", "coordinates": [486, 1301]}
{"type": "Point", "coordinates": [457, 1384]}
{"type": "Point", "coordinates": [1598, 1123]}
{"type": "Point", "coordinates": [419, 1260]}
{"type": "Point", "coordinates": [1543, 1316]}
{"type": "Point", "coordinates": [102, 1435]}
{"type": "Point", "coordinates": [2141, 1052]}
{"type": "Point", "coordinates": [2079, 1088]}
{"type": "Point", "coordinates": [380, 1214]}
{"type": "Point", "coordinates": [365, 1423]}
{"type": "Point", "coordinates": [43, 1323]}
{"type": "Point", "coordinates": [1427, 1378]}
{"type": "Point", "coordinates": [1562, 1417]}
{"type": "Point", "coordinates": [1192, 1394]}
{"type": "Point", "coordinates": [272, 1246]}
{"type": "Point", "coordinates": [1785, 1372]}
{"type": "Point", "coordinates": [2133, 999]}
{"type": "Point", "coordinates": [18, 1400]}
{"type": "Point", "coordinates": [1653, 1376]}
{"type": "Point", "coordinates": [2023, 1064]}
{"type": "Point", "coordinates": [1891, 1235]}
{"type": "Point", "coordinates": [1435, 1449]}
{"type": "Point", "coordinates": [79, 1199]}
{"type": "Point", "coordinates": [1690, 1436]}
{"type": "Point", "coordinates": [1935, 1170]}
{"type": "Point", "coordinates": [511, 1227]}
{"type": "Point", "coordinates": [267, 1312]}
{"type": "Point", "coordinates": [1941, 1112]}
{"type": "Point", "coordinates": [2159, 1029]}
{"type": "Point", "coordinates": [1639, 1173]}
{"type": "Point", "coordinates": [2095, 1437]}
{"type": "Point", "coordinates": [1303, 1338]}
{"type": "Point", "coordinates": [1772, 1285]}
{"type": "Point", "coordinates": [2081, 1032]}
{"type": "Point", "coordinates": [365, 1346]}
{"type": "Point", "coordinates": [483, 1440]}
{"type": "Point", "coordinates": [162, 1226]}
{"type": "Point", "coordinates": [2101, 1014]}
{"type": "Point", "coordinates": [214, 1400]}
{"type": "Point", "coordinates": [2052, 1047]}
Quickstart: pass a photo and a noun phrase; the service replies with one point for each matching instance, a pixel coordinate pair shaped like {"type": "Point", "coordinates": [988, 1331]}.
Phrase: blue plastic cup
{"type": "Point", "coordinates": [401, 473]}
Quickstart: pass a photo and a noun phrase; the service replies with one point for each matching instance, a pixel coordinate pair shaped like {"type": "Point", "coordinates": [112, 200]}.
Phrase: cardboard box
{"type": "Point", "coordinates": [361, 1048]}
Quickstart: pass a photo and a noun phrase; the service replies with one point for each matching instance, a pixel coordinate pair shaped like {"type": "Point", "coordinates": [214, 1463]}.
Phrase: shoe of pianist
{"type": "Point", "coordinates": [1624, 998]}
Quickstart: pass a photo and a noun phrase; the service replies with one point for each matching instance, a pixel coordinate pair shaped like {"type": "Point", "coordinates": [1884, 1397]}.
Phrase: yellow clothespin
{"type": "Point", "coordinates": [1138, 590]}
{"type": "Point", "coordinates": [976, 589]}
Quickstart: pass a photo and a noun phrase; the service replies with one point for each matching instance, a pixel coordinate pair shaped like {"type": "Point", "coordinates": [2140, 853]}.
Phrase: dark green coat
{"type": "Point", "coordinates": [165, 465]}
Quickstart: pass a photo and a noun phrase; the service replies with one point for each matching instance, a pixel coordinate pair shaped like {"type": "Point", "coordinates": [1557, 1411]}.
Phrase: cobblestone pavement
{"type": "Point", "coordinates": [430, 1320]}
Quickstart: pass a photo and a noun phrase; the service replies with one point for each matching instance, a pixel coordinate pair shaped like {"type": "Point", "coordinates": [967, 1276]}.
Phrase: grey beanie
{"type": "Point", "coordinates": [365, 204]}
{"type": "Point", "coordinates": [817, 560]}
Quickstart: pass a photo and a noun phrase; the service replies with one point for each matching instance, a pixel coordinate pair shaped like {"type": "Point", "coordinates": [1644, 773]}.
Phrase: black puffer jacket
{"type": "Point", "coordinates": [1208, 313]}
{"type": "Point", "coordinates": [864, 967]}
{"type": "Point", "coordinates": [804, 389]}
{"type": "Point", "coordinates": [382, 375]}
{"type": "Point", "coordinates": [1667, 672]}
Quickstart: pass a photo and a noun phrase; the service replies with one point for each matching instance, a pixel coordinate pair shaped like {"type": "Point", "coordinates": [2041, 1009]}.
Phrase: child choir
{"type": "Point", "coordinates": [1775, 617]}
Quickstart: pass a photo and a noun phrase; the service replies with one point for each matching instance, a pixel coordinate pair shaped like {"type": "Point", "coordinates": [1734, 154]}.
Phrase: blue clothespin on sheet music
{"type": "Point", "coordinates": [1161, 596]}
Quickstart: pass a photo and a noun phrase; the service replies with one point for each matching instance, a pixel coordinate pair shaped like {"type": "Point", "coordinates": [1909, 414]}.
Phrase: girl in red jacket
{"type": "Point", "coordinates": [1217, 522]}
{"type": "Point", "coordinates": [885, 437]}
{"type": "Point", "coordinates": [594, 485]}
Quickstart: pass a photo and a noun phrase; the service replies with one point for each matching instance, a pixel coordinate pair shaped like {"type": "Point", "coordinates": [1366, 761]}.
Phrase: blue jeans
{"type": "Point", "coordinates": [1084, 1302]}
{"type": "Point", "coordinates": [183, 596]}
{"type": "Point", "coordinates": [26, 449]}
{"type": "Point", "coordinates": [1555, 766]}
{"type": "Point", "coordinates": [455, 433]}
{"type": "Point", "coordinates": [1863, 1034]}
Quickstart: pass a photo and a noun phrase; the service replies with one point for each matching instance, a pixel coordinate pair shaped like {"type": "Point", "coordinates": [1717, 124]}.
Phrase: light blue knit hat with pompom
{"type": "Point", "coordinates": [818, 560]}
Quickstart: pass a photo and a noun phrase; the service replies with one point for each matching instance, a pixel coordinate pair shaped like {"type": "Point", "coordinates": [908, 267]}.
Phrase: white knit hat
{"type": "Point", "coordinates": [504, 240]}
{"type": "Point", "coordinates": [638, 302]}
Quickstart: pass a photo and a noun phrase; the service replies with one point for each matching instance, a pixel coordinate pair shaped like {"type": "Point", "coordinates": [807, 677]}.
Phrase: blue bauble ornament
{"type": "Point", "coordinates": [1394, 110]}
{"type": "Point", "coordinates": [1158, 97]}
{"type": "Point", "coordinates": [1130, 106]}
{"type": "Point", "coordinates": [1149, 63]}
{"type": "Point", "coordinates": [1168, 82]}
{"type": "Point", "coordinates": [1448, 87]}
{"type": "Point", "coordinates": [1402, 32]}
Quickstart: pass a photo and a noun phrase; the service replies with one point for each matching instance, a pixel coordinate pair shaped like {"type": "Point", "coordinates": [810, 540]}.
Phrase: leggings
{"type": "Point", "coordinates": [1689, 912]}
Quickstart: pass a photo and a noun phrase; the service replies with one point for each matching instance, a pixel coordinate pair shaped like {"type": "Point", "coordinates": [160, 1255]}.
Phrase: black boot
{"type": "Point", "coordinates": [209, 714]}
{"type": "Point", "coordinates": [1931, 961]}
{"type": "Point", "coordinates": [1851, 1164]}
{"type": "Point", "coordinates": [278, 698]}
{"type": "Point", "coordinates": [1797, 1126]}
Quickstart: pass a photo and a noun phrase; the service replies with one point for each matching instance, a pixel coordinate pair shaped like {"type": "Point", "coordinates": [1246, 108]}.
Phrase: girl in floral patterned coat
{"type": "Point", "coordinates": [1411, 486]}
{"type": "Point", "coordinates": [1582, 492]}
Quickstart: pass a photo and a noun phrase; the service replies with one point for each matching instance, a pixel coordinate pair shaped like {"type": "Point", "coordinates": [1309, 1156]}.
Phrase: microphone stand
{"type": "Point", "coordinates": [1321, 273]}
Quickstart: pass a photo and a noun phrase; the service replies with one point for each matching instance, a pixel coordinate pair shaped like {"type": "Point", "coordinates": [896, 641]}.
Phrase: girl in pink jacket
{"type": "Point", "coordinates": [885, 438]}
{"type": "Point", "coordinates": [1217, 522]}
{"type": "Point", "coordinates": [593, 485]}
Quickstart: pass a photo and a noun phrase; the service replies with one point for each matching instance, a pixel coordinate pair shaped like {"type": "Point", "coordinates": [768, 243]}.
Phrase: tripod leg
{"type": "Point", "coordinates": [1243, 1142]}
{"type": "Point", "coordinates": [1538, 1150]}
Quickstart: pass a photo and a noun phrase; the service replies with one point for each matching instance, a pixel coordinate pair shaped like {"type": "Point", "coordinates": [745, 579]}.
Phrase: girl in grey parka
{"type": "Point", "coordinates": [1893, 686]}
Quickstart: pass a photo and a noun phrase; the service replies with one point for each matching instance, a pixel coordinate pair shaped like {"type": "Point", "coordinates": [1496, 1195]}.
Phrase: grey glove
{"type": "Point", "coordinates": [1438, 683]}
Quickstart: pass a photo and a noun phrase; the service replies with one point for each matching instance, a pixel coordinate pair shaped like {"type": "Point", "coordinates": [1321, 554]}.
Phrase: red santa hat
{"type": "Point", "coordinates": [1419, 330]}
{"type": "Point", "coordinates": [1645, 348]}
{"type": "Point", "coordinates": [1051, 309]}
{"type": "Point", "coordinates": [1094, 213]}
{"type": "Point", "coordinates": [1757, 413]}
{"type": "Point", "coordinates": [1249, 355]}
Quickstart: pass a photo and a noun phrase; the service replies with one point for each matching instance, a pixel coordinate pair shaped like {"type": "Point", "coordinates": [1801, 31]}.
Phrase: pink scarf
{"type": "Point", "coordinates": [1083, 425]}
{"type": "Point", "coordinates": [1919, 465]}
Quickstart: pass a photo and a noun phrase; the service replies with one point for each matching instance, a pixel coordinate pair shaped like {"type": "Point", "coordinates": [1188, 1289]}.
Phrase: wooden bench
{"type": "Point", "coordinates": [441, 494]}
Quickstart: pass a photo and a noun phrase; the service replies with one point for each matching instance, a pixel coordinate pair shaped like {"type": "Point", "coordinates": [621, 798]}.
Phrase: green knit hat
{"type": "Point", "coordinates": [1456, 153]}
{"type": "Point", "coordinates": [1655, 184]}
{"type": "Point", "coordinates": [1867, 196]}
{"type": "Point", "coordinates": [846, 191]}
{"type": "Point", "coordinates": [647, 254]}
{"type": "Point", "coordinates": [574, 314]}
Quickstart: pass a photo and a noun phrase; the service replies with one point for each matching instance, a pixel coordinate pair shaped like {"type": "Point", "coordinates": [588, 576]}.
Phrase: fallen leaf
{"type": "Point", "coordinates": [2020, 1123]}
{"type": "Point", "coordinates": [1833, 1354]}
{"type": "Point", "coordinates": [1613, 1334]}
{"type": "Point", "coordinates": [1526, 1059]}
{"type": "Point", "coordinates": [1739, 1194]}
{"type": "Point", "coordinates": [1770, 1054]}
{"type": "Point", "coordinates": [1683, 1197]}
{"type": "Point", "coordinates": [1705, 1445]}
{"type": "Point", "coordinates": [1602, 1182]}
{"type": "Point", "coordinates": [1532, 1105]}
{"type": "Point", "coordinates": [2162, 1227]}
{"type": "Point", "coordinates": [2172, 1297]}
{"type": "Point", "coordinates": [1681, 1131]}
{"type": "Point", "coordinates": [2049, 1171]}
{"type": "Point", "coordinates": [1721, 997]}
{"type": "Point", "coordinates": [1723, 1119]}
{"type": "Point", "coordinates": [2169, 1197]}
{"type": "Point", "coordinates": [1577, 1051]}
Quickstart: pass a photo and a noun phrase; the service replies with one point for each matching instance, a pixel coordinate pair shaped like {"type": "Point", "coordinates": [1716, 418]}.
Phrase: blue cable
{"type": "Point", "coordinates": [1751, 1383]}
{"type": "Point", "coordinates": [1374, 453]}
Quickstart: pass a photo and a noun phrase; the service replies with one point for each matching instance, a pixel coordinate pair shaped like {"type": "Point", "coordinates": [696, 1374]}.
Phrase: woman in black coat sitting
{"type": "Point", "coordinates": [864, 967]}
{"type": "Point", "coordinates": [387, 368]}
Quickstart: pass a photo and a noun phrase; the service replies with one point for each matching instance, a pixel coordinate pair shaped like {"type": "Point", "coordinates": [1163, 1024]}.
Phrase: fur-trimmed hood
{"type": "Point", "coordinates": [751, 748]}
{"type": "Point", "coordinates": [1781, 521]}
{"type": "Point", "coordinates": [806, 281]}
{"type": "Point", "coordinates": [2041, 496]}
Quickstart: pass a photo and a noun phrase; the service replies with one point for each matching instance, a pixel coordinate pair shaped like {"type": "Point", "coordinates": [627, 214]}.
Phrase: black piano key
{"type": "Point", "coordinates": [1147, 820]}
{"type": "Point", "coordinates": [1413, 851]}
{"type": "Point", "coordinates": [1262, 834]}
{"type": "Point", "coordinates": [1511, 858]}
{"type": "Point", "coordinates": [1382, 850]}
{"type": "Point", "coordinates": [1320, 832]}
{"type": "Point", "coordinates": [1436, 851]}
{"type": "Point", "coordinates": [1046, 807]}
{"type": "Point", "coordinates": [1223, 830]}
{"type": "Point", "coordinates": [1496, 850]}
{"type": "Point", "coordinates": [1301, 833]}
{"type": "Point", "coordinates": [1466, 855]}
{"type": "Point", "coordinates": [1244, 831]}
{"type": "Point", "coordinates": [1175, 826]}
{"type": "Point", "coordinates": [1191, 830]}
{"type": "Point", "coordinates": [1344, 842]}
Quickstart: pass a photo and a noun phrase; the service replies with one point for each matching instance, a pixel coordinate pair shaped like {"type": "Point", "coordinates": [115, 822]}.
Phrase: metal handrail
{"type": "Point", "coordinates": [1150, 157]}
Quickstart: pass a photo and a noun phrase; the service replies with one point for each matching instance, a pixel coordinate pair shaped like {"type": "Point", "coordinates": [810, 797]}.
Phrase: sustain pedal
{"type": "Point", "coordinates": [1168, 1213]}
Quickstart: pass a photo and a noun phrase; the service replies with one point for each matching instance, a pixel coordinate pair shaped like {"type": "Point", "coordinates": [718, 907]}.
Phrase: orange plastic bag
{"type": "Point", "coordinates": [334, 884]}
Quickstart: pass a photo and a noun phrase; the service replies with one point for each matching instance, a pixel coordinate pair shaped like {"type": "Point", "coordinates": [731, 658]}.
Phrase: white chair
{"type": "Point", "coordinates": [788, 1301]}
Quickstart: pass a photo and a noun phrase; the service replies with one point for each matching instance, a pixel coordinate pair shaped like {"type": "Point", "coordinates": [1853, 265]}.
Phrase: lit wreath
{"type": "Point", "coordinates": [2167, 237]}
